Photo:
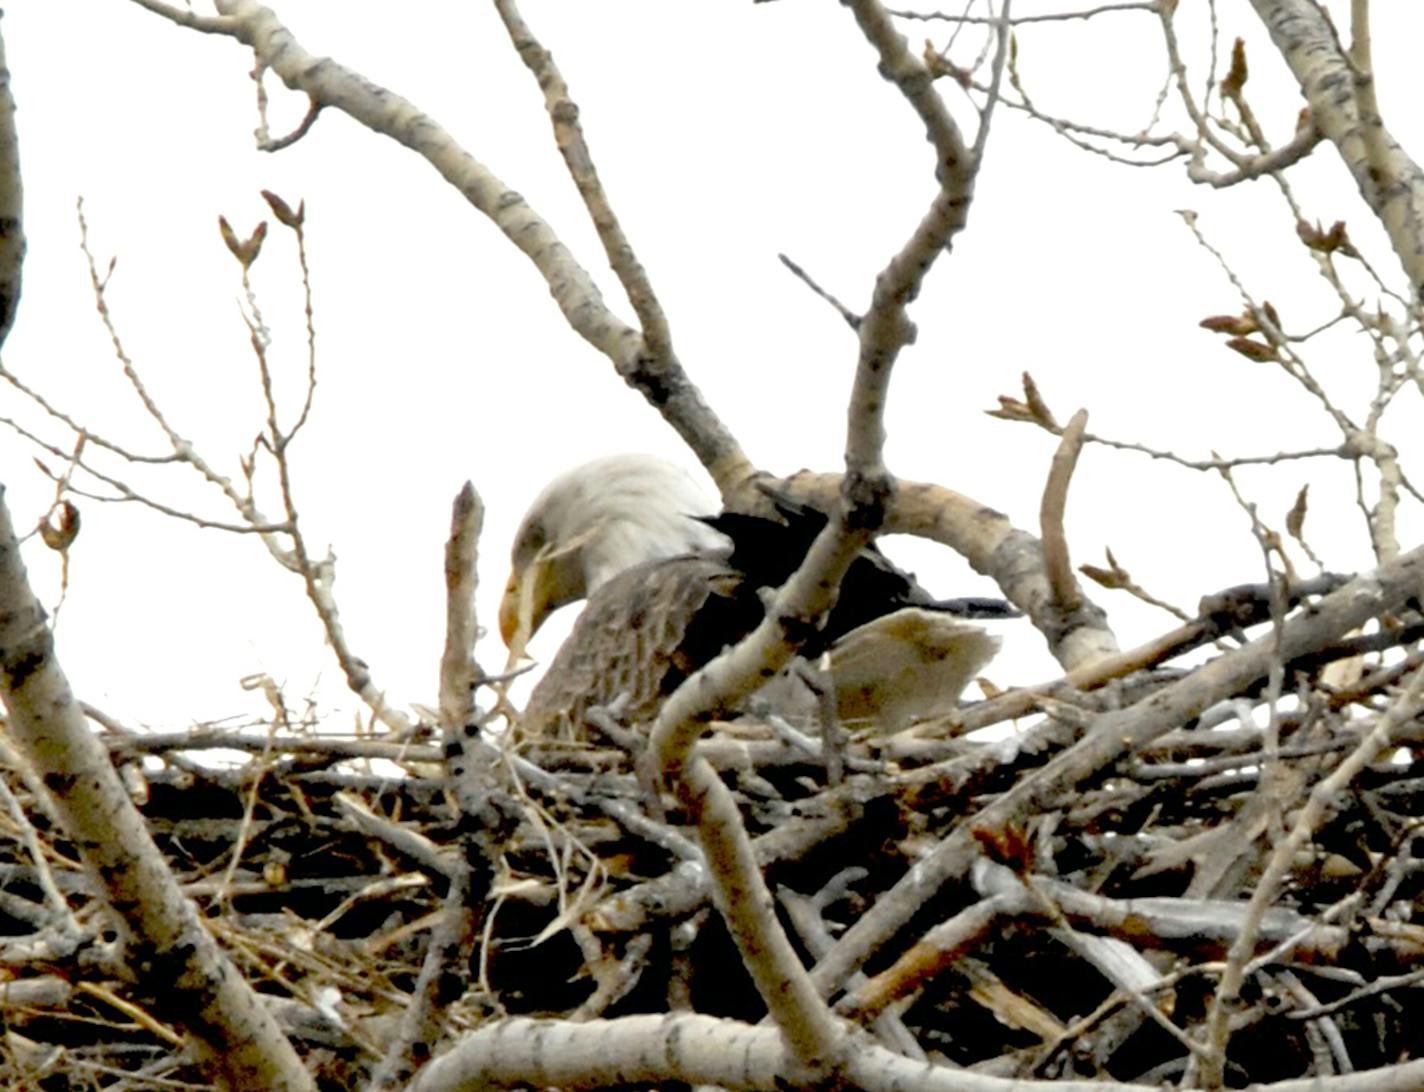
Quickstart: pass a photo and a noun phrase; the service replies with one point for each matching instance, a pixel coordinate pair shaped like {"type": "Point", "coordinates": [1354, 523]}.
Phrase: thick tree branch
{"type": "Point", "coordinates": [739, 889]}
{"type": "Point", "coordinates": [698, 1049]}
{"type": "Point", "coordinates": [993, 546]}
{"type": "Point", "coordinates": [1343, 107]}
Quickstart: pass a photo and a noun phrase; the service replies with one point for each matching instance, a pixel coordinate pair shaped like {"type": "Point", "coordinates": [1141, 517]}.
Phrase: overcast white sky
{"type": "Point", "coordinates": [725, 133]}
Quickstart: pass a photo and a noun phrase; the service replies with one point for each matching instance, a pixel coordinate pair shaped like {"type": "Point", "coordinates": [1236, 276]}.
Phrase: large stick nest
{"type": "Point", "coordinates": [1087, 943]}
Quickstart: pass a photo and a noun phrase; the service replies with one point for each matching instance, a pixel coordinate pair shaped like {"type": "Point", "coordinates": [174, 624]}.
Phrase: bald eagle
{"type": "Point", "coordinates": [670, 583]}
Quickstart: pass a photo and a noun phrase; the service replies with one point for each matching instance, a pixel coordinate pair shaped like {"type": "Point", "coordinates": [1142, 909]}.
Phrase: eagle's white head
{"type": "Point", "coordinates": [593, 522]}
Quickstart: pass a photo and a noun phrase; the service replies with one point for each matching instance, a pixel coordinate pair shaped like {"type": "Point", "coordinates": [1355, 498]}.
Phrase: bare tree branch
{"type": "Point", "coordinates": [568, 135]}
{"type": "Point", "coordinates": [328, 84]}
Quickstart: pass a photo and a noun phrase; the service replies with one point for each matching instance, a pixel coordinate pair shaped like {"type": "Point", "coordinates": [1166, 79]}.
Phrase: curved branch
{"type": "Point", "coordinates": [886, 328]}
{"type": "Point", "coordinates": [739, 889]}
{"type": "Point", "coordinates": [993, 546]}
{"type": "Point", "coordinates": [1067, 595]}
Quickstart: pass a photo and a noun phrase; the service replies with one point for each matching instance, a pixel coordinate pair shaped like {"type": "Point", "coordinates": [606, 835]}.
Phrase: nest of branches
{"type": "Point", "coordinates": [1248, 877]}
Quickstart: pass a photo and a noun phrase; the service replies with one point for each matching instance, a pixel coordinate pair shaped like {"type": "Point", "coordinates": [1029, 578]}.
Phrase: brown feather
{"type": "Point", "coordinates": [641, 634]}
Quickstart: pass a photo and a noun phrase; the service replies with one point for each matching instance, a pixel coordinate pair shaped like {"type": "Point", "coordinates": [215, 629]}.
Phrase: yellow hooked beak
{"type": "Point", "coordinates": [552, 578]}
{"type": "Point", "coordinates": [515, 621]}
{"type": "Point", "coordinates": [528, 600]}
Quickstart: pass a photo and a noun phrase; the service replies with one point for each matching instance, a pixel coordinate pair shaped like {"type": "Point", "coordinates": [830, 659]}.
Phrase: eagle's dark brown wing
{"type": "Point", "coordinates": [640, 635]}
